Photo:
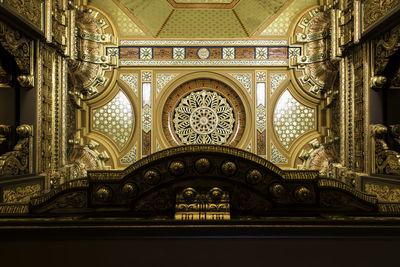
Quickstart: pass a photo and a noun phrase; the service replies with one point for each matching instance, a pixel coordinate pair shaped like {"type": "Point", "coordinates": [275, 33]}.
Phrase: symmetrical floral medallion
{"type": "Point", "coordinates": [203, 117]}
{"type": "Point", "coordinates": [203, 111]}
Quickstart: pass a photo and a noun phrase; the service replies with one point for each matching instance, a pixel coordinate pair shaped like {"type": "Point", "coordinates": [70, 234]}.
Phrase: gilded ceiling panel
{"type": "Point", "coordinates": [253, 13]}
{"type": "Point", "coordinates": [203, 1]}
{"type": "Point", "coordinates": [153, 13]}
{"type": "Point", "coordinates": [125, 24]}
{"type": "Point", "coordinates": [281, 24]}
{"type": "Point", "coordinates": [205, 23]}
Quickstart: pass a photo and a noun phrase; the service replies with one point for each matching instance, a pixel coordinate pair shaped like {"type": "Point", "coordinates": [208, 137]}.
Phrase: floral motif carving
{"type": "Point", "coordinates": [29, 9]}
{"type": "Point", "coordinates": [177, 168]}
{"type": "Point", "coordinates": [231, 104]}
{"type": "Point", "coordinates": [152, 177]}
{"type": "Point", "coordinates": [387, 161]}
{"type": "Point", "coordinates": [303, 194]}
{"type": "Point", "coordinates": [384, 193]}
{"type": "Point", "coordinates": [19, 46]}
{"type": "Point", "coordinates": [228, 168]}
{"type": "Point", "coordinates": [21, 194]}
{"type": "Point", "coordinates": [278, 190]}
{"type": "Point", "coordinates": [254, 177]}
{"type": "Point", "coordinates": [386, 46]}
{"type": "Point", "coordinates": [103, 194]}
{"type": "Point", "coordinates": [374, 10]}
{"type": "Point", "coordinates": [204, 117]}
{"type": "Point", "coordinates": [18, 161]}
{"type": "Point", "coordinates": [129, 190]}
{"type": "Point", "coordinates": [202, 165]}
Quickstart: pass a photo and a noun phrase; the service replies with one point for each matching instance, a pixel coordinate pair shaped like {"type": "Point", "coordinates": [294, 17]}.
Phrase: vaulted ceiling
{"type": "Point", "coordinates": [199, 18]}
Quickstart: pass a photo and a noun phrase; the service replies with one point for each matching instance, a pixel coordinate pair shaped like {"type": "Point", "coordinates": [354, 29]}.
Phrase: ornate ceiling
{"type": "Point", "coordinates": [202, 18]}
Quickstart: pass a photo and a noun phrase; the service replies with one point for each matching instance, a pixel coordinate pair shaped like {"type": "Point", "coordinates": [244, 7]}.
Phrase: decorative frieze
{"type": "Point", "coordinates": [201, 55]}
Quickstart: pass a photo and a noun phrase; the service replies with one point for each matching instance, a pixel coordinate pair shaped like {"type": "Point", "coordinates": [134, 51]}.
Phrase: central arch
{"type": "Point", "coordinates": [221, 109]}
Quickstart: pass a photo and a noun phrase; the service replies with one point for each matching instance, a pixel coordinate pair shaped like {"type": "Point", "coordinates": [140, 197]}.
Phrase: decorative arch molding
{"type": "Point", "coordinates": [255, 187]}
{"type": "Point", "coordinates": [226, 80]}
{"type": "Point", "coordinates": [22, 49]}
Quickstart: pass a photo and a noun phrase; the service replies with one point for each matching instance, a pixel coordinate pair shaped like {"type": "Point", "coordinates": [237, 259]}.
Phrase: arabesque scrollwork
{"type": "Point", "coordinates": [18, 161]}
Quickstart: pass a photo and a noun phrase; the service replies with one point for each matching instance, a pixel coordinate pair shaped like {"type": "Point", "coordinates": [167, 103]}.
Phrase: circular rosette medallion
{"type": "Point", "coordinates": [203, 111]}
{"type": "Point", "coordinates": [203, 117]}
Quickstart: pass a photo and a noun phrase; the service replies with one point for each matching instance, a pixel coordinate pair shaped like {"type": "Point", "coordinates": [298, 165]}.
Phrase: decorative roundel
{"type": "Point", "coordinates": [202, 165]}
{"type": "Point", "coordinates": [129, 190]}
{"type": "Point", "coordinates": [254, 177]}
{"type": "Point", "coordinates": [103, 194]}
{"type": "Point", "coordinates": [228, 168]}
{"type": "Point", "coordinates": [177, 168]}
{"type": "Point", "coordinates": [152, 177]}
{"type": "Point", "coordinates": [203, 117]}
{"type": "Point", "coordinates": [203, 111]}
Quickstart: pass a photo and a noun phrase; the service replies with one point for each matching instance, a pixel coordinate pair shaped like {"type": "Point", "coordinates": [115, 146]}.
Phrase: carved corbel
{"type": "Point", "coordinates": [377, 82]}
{"type": "Point", "coordinates": [19, 160]}
{"type": "Point", "coordinates": [21, 48]}
{"type": "Point", "coordinates": [26, 81]}
{"type": "Point", "coordinates": [387, 161]}
{"type": "Point", "coordinates": [386, 47]}
{"type": "Point", "coordinates": [87, 157]}
{"type": "Point", "coordinates": [319, 157]}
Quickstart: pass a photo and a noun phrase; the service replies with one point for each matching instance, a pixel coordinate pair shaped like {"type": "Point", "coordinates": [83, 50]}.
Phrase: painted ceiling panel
{"type": "Point", "coordinates": [203, 1]}
{"type": "Point", "coordinates": [125, 25]}
{"type": "Point", "coordinates": [152, 13]}
{"type": "Point", "coordinates": [194, 19]}
{"type": "Point", "coordinates": [253, 13]}
{"type": "Point", "coordinates": [195, 23]}
{"type": "Point", "coordinates": [281, 24]}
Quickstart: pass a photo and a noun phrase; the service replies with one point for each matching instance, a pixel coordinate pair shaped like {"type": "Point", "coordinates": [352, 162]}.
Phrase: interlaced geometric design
{"type": "Point", "coordinates": [203, 117]}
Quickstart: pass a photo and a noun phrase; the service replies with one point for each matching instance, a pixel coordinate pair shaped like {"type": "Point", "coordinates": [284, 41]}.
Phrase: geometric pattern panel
{"type": "Point", "coordinates": [276, 80]}
{"type": "Point", "coordinates": [130, 157]}
{"type": "Point", "coordinates": [131, 80]}
{"type": "Point", "coordinates": [276, 156]}
{"type": "Point", "coordinates": [204, 117]}
{"type": "Point", "coordinates": [253, 13]}
{"type": "Point", "coordinates": [192, 23]}
{"type": "Point", "coordinates": [281, 24]}
{"type": "Point", "coordinates": [162, 80]}
{"type": "Point", "coordinates": [125, 25]}
{"type": "Point", "coordinates": [115, 119]}
{"type": "Point", "coordinates": [152, 14]}
{"type": "Point", "coordinates": [245, 80]}
{"type": "Point", "coordinates": [292, 119]}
